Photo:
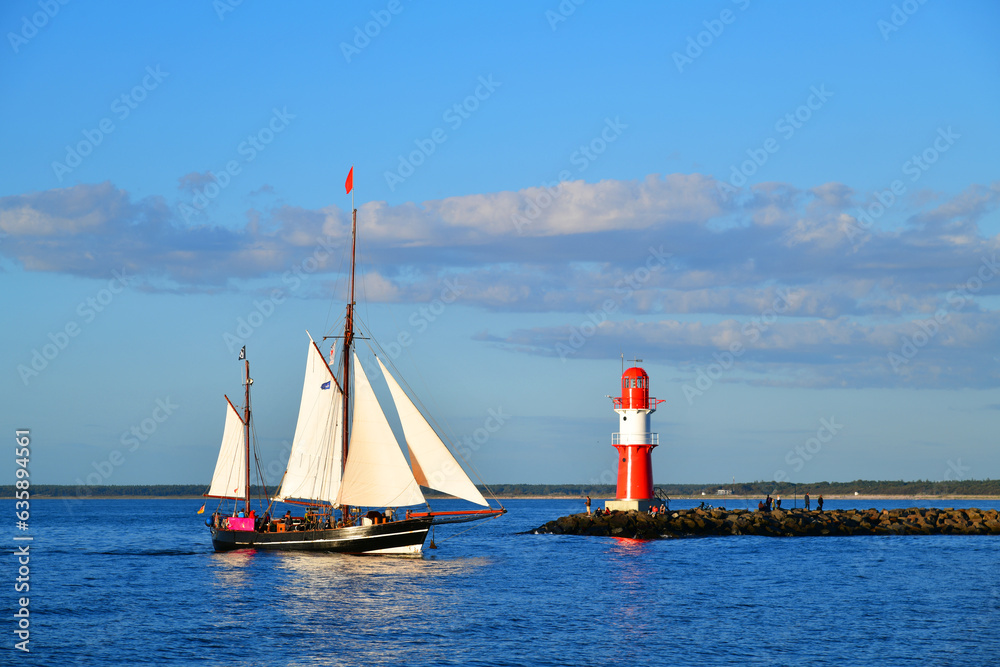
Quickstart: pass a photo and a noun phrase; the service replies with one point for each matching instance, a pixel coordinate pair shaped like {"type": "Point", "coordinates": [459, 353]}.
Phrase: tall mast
{"type": "Point", "coordinates": [246, 434]}
{"type": "Point", "coordinates": [349, 333]}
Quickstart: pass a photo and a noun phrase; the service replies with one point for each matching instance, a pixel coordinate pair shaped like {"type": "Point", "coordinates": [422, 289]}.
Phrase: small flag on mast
{"type": "Point", "coordinates": [243, 353]}
{"type": "Point", "coordinates": [201, 510]}
{"type": "Point", "coordinates": [325, 385]}
{"type": "Point", "coordinates": [349, 184]}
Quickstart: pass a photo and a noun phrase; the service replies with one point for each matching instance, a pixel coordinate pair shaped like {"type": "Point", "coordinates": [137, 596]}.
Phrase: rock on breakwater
{"type": "Point", "coordinates": [778, 523]}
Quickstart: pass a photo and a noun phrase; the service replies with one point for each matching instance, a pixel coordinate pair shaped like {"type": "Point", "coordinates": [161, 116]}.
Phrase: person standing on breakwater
{"type": "Point", "coordinates": [819, 503]}
{"type": "Point", "coordinates": [807, 501]}
{"type": "Point", "coordinates": [777, 503]}
{"type": "Point", "coordinates": [588, 505]}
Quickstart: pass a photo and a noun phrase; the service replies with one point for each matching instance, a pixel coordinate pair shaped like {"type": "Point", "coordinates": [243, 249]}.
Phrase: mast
{"type": "Point", "coordinates": [246, 435]}
{"type": "Point", "coordinates": [349, 333]}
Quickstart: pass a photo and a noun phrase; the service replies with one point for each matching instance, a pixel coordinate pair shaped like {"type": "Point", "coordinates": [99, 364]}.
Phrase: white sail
{"type": "Point", "coordinates": [313, 471]}
{"type": "Point", "coordinates": [433, 464]}
{"type": "Point", "coordinates": [229, 480]}
{"type": "Point", "coordinates": [376, 473]}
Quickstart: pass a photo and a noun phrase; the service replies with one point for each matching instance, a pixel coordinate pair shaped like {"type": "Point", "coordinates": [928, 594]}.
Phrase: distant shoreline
{"type": "Point", "coordinates": [709, 500]}
{"type": "Point", "coordinates": [734, 492]}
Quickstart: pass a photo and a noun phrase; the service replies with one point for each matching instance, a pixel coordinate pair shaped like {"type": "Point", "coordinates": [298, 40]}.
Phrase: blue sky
{"type": "Point", "coordinates": [788, 211]}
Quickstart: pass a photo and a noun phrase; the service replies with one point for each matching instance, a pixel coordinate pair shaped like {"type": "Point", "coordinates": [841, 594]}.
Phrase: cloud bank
{"type": "Point", "coordinates": [812, 291]}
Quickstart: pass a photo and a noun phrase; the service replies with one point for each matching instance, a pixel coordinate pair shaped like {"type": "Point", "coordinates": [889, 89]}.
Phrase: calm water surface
{"type": "Point", "coordinates": [137, 582]}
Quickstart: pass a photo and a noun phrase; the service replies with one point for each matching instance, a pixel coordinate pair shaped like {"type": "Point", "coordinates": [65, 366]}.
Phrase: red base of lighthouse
{"type": "Point", "coordinates": [635, 479]}
{"type": "Point", "coordinates": [635, 472]}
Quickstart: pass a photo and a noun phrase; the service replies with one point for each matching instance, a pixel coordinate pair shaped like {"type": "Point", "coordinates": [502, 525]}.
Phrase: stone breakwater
{"type": "Point", "coordinates": [779, 523]}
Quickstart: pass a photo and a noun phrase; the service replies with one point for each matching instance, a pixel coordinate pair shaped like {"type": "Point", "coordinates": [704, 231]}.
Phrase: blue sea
{"type": "Point", "coordinates": [127, 582]}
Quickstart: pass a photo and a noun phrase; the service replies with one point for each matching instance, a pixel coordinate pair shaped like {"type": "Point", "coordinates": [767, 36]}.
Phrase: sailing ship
{"type": "Point", "coordinates": [346, 464]}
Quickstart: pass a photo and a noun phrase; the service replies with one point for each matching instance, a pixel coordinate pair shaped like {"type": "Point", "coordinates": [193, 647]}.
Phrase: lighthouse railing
{"type": "Point", "coordinates": [617, 401]}
{"type": "Point", "coordinates": [635, 438]}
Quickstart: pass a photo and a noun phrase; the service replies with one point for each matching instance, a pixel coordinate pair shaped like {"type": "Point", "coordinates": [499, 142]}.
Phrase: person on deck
{"type": "Point", "coordinates": [288, 519]}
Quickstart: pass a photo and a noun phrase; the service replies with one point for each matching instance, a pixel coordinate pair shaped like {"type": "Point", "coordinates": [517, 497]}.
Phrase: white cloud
{"type": "Point", "coordinates": [846, 300]}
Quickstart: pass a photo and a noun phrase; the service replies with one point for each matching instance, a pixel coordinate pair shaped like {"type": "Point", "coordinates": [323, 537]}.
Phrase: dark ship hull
{"type": "Point", "coordinates": [396, 537]}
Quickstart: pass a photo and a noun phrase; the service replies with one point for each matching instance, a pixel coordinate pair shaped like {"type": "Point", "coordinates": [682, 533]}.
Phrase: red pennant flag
{"type": "Point", "coordinates": [349, 184]}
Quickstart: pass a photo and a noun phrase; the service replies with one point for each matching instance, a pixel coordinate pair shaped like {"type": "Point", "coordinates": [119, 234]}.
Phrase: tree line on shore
{"type": "Point", "coordinates": [972, 487]}
{"type": "Point", "coordinates": [986, 487]}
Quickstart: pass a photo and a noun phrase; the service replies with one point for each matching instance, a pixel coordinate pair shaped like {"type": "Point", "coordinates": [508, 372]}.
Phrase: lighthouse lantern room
{"type": "Point", "coordinates": [634, 442]}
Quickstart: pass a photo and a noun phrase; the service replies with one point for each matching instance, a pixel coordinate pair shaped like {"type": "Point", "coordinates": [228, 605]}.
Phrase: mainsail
{"type": "Point", "coordinates": [229, 480]}
{"type": "Point", "coordinates": [433, 464]}
{"type": "Point", "coordinates": [313, 471]}
{"type": "Point", "coordinates": [376, 473]}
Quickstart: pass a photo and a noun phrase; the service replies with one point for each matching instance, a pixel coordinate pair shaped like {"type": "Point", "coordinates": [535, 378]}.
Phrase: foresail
{"type": "Point", "coordinates": [229, 480]}
{"type": "Point", "coordinates": [313, 471]}
{"type": "Point", "coordinates": [376, 473]}
{"type": "Point", "coordinates": [433, 464]}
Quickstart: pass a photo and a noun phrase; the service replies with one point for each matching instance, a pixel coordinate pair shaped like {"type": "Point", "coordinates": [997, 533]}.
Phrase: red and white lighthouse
{"type": "Point", "coordinates": [634, 442]}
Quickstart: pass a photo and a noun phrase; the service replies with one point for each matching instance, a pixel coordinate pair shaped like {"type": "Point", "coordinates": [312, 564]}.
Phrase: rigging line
{"type": "Point", "coordinates": [430, 418]}
{"type": "Point", "coordinates": [476, 524]}
{"type": "Point", "coordinates": [399, 377]}
{"type": "Point", "coordinates": [336, 283]}
{"type": "Point", "coordinates": [277, 489]}
{"type": "Point", "coordinates": [429, 415]}
{"type": "Point", "coordinates": [362, 265]}
{"type": "Point", "coordinates": [256, 457]}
